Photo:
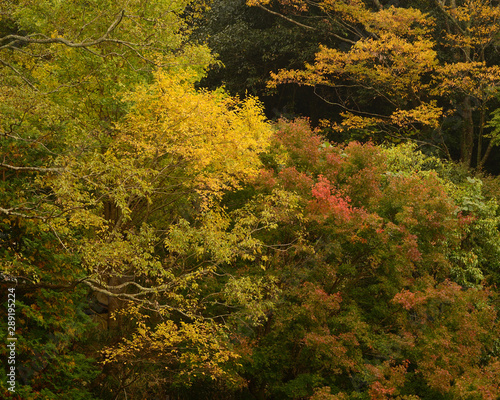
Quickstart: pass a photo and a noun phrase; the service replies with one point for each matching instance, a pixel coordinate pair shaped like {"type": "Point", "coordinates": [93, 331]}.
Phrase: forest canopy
{"type": "Point", "coordinates": [261, 200]}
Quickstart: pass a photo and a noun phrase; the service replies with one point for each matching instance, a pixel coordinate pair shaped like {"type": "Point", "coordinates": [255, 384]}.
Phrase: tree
{"type": "Point", "coordinates": [249, 42]}
{"type": "Point", "coordinates": [408, 73]}
{"type": "Point", "coordinates": [365, 267]}
{"type": "Point", "coordinates": [182, 149]}
{"type": "Point", "coordinates": [220, 259]}
{"type": "Point", "coordinates": [99, 162]}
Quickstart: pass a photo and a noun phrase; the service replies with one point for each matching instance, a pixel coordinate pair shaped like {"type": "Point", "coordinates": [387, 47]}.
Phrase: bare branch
{"type": "Point", "coordinates": [60, 40]}
{"type": "Point", "coordinates": [18, 73]}
{"type": "Point", "coordinates": [303, 25]}
{"type": "Point", "coordinates": [441, 6]}
{"type": "Point", "coordinates": [143, 290]}
{"type": "Point", "coordinates": [286, 18]}
{"type": "Point", "coordinates": [349, 109]}
{"type": "Point", "coordinates": [377, 4]}
{"type": "Point", "coordinates": [151, 305]}
{"type": "Point", "coordinates": [37, 169]}
{"type": "Point", "coordinates": [13, 212]}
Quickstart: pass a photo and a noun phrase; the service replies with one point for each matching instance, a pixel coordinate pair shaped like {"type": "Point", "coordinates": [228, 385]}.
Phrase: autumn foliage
{"type": "Point", "coordinates": [165, 240]}
{"type": "Point", "coordinates": [368, 304]}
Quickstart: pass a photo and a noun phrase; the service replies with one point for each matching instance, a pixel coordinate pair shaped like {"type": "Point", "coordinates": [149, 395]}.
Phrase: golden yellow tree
{"type": "Point", "coordinates": [106, 145]}
{"type": "Point", "coordinates": [172, 157]}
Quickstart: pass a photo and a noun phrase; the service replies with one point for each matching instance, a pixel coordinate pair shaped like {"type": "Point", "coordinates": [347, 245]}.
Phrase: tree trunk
{"type": "Point", "coordinates": [467, 137]}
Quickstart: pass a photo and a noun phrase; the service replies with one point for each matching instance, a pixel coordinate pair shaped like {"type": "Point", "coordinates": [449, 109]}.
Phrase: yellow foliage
{"type": "Point", "coordinates": [391, 63]}
{"type": "Point", "coordinates": [215, 138]}
{"type": "Point", "coordinates": [352, 121]}
{"type": "Point", "coordinates": [479, 21]}
{"type": "Point", "coordinates": [258, 2]}
{"type": "Point", "coordinates": [400, 21]}
{"type": "Point", "coordinates": [426, 114]}
{"type": "Point", "coordinates": [199, 347]}
{"type": "Point", "coordinates": [471, 78]}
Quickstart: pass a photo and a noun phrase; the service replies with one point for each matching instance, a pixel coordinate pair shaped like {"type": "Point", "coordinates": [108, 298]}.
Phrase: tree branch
{"type": "Point", "coordinates": [450, 17]}
{"type": "Point", "coordinates": [13, 212]}
{"type": "Point", "coordinates": [377, 4]}
{"type": "Point", "coordinates": [95, 286]}
{"type": "Point", "coordinates": [8, 65]}
{"type": "Point", "coordinates": [61, 40]}
{"type": "Point", "coordinates": [349, 109]}
{"type": "Point", "coordinates": [37, 169]}
{"type": "Point", "coordinates": [287, 18]}
{"type": "Point", "coordinates": [303, 25]}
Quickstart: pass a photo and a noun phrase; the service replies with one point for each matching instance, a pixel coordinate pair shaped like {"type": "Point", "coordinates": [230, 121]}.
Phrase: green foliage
{"type": "Point", "coordinates": [107, 145]}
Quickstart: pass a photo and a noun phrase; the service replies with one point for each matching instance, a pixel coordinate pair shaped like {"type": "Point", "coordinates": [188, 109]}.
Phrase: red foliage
{"type": "Point", "coordinates": [327, 203]}
{"type": "Point", "coordinates": [301, 142]}
{"type": "Point", "coordinates": [265, 180]}
{"type": "Point", "coordinates": [294, 180]}
{"type": "Point", "coordinates": [368, 278]}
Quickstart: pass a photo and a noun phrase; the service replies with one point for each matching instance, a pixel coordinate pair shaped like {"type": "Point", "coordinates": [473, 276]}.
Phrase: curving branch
{"type": "Point", "coordinates": [443, 9]}
{"type": "Point", "coordinates": [302, 25]}
{"type": "Point", "coordinates": [151, 305]}
{"type": "Point", "coordinates": [14, 39]}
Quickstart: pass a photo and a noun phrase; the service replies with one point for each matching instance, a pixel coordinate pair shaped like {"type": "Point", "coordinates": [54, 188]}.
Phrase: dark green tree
{"type": "Point", "coordinates": [250, 43]}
